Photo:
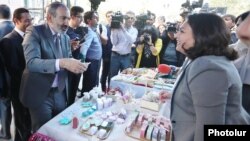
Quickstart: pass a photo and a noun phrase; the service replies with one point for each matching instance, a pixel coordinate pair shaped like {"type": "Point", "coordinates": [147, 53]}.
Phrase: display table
{"type": "Point", "coordinates": [66, 133]}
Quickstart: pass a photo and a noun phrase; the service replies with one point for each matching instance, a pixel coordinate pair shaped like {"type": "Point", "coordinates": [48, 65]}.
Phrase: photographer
{"type": "Point", "coordinates": [169, 55]}
{"type": "Point", "coordinates": [148, 48]}
{"type": "Point", "coordinates": [122, 38]}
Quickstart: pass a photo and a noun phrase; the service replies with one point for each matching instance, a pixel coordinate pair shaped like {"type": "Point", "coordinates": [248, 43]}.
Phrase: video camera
{"type": "Point", "coordinates": [171, 27]}
{"type": "Point", "coordinates": [146, 38]}
{"type": "Point", "coordinates": [117, 19]}
{"type": "Point", "coordinates": [81, 31]}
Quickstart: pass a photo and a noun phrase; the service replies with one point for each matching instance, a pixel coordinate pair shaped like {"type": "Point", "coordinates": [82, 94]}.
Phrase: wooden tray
{"type": "Point", "coordinates": [135, 134]}
{"type": "Point", "coordinates": [101, 138]}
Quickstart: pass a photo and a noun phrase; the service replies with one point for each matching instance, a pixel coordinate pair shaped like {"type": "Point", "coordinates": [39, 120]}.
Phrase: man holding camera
{"type": "Point", "coordinates": [122, 39]}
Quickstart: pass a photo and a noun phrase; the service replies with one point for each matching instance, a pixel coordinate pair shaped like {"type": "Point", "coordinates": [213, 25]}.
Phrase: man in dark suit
{"type": "Point", "coordinates": [47, 51]}
{"type": "Point", "coordinates": [12, 50]}
{"type": "Point", "coordinates": [6, 26]}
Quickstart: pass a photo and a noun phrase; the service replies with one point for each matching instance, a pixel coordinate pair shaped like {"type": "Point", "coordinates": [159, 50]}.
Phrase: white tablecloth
{"type": "Point", "coordinates": [67, 133]}
{"type": "Point", "coordinates": [138, 90]}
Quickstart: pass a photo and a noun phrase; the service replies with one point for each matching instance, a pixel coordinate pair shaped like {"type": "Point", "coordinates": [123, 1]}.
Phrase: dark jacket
{"type": "Point", "coordinates": [4, 79]}
{"type": "Point", "coordinates": [165, 40]}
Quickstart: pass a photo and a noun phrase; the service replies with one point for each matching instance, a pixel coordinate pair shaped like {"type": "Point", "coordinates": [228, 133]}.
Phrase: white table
{"type": "Point", "coordinates": [66, 133]}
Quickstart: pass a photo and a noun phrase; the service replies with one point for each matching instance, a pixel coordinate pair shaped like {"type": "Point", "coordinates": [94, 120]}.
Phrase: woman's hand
{"type": "Point", "coordinates": [164, 95]}
{"type": "Point", "coordinates": [153, 49]}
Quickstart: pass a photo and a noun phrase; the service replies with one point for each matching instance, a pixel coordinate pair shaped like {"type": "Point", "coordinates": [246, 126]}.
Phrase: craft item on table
{"type": "Point", "coordinates": [99, 103]}
{"type": "Point", "coordinates": [122, 114]}
{"type": "Point", "coordinates": [128, 96]}
{"type": "Point", "coordinates": [112, 118]}
{"type": "Point", "coordinates": [158, 121]}
{"type": "Point", "coordinates": [85, 126]}
{"type": "Point", "coordinates": [106, 103]}
{"type": "Point", "coordinates": [140, 120]}
{"type": "Point", "coordinates": [86, 96]}
{"type": "Point", "coordinates": [110, 101]}
{"type": "Point", "coordinates": [164, 69]}
{"type": "Point", "coordinates": [129, 126]}
{"type": "Point", "coordinates": [120, 120]}
{"type": "Point", "coordinates": [96, 126]}
{"type": "Point", "coordinates": [93, 130]}
{"type": "Point", "coordinates": [109, 113]}
{"type": "Point", "coordinates": [89, 111]}
{"type": "Point", "coordinates": [115, 91]}
{"type": "Point", "coordinates": [127, 71]}
{"type": "Point", "coordinates": [98, 113]}
{"type": "Point", "coordinates": [110, 125]}
{"type": "Point", "coordinates": [101, 133]}
{"type": "Point", "coordinates": [143, 130]}
{"type": "Point", "coordinates": [149, 131]}
{"type": "Point", "coordinates": [151, 96]}
{"type": "Point", "coordinates": [97, 121]}
{"type": "Point", "coordinates": [104, 124]}
{"type": "Point", "coordinates": [96, 93]}
{"type": "Point", "coordinates": [155, 134]}
{"type": "Point", "coordinates": [151, 101]}
{"type": "Point", "coordinates": [166, 123]}
{"type": "Point", "coordinates": [162, 134]}
{"type": "Point", "coordinates": [65, 121]}
{"type": "Point", "coordinates": [87, 104]}
{"type": "Point", "coordinates": [104, 116]}
{"type": "Point", "coordinates": [152, 128]}
{"type": "Point", "coordinates": [75, 122]}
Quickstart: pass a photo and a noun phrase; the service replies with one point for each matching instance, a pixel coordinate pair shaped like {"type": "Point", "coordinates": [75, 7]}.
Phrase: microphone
{"type": "Point", "coordinates": [164, 69]}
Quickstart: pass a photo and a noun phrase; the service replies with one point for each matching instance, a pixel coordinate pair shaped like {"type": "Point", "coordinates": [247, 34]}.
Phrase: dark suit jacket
{"type": "Point", "coordinates": [4, 81]}
{"type": "Point", "coordinates": [6, 27]}
{"type": "Point", "coordinates": [40, 55]}
{"type": "Point", "coordinates": [12, 50]}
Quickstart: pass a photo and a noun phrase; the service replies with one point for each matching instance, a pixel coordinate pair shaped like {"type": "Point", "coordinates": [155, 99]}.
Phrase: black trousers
{"type": "Point", "coordinates": [74, 80]}
{"type": "Point", "coordinates": [105, 73]}
{"type": "Point", "coordinates": [91, 75]}
{"type": "Point", "coordinates": [5, 117]}
{"type": "Point", "coordinates": [246, 97]}
{"type": "Point", "coordinates": [22, 118]}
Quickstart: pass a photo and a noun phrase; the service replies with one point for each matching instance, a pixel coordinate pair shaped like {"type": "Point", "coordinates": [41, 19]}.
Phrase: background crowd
{"type": "Point", "coordinates": [41, 65]}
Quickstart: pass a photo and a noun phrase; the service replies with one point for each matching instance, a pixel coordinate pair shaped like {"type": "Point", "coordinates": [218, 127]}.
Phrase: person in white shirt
{"type": "Point", "coordinates": [122, 40]}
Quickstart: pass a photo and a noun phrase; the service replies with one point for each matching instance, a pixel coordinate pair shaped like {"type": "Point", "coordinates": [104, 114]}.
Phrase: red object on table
{"type": "Point", "coordinates": [75, 123]}
{"type": "Point", "coordinates": [163, 68]}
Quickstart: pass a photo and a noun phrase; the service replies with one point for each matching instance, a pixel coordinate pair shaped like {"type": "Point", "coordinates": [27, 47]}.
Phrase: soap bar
{"type": "Point", "coordinates": [143, 130]}
{"type": "Point", "coordinates": [149, 132]}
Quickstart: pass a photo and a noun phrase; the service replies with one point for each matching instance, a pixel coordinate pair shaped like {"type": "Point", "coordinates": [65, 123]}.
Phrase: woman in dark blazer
{"type": "Point", "coordinates": [208, 90]}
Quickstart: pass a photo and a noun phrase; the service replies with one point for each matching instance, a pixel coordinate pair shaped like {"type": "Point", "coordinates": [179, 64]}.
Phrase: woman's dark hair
{"type": "Point", "coordinates": [152, 31]}
{"type": "Point", "coordinates": [242, 16]}
{"type": "Point", "coordinates": [211, 37]}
